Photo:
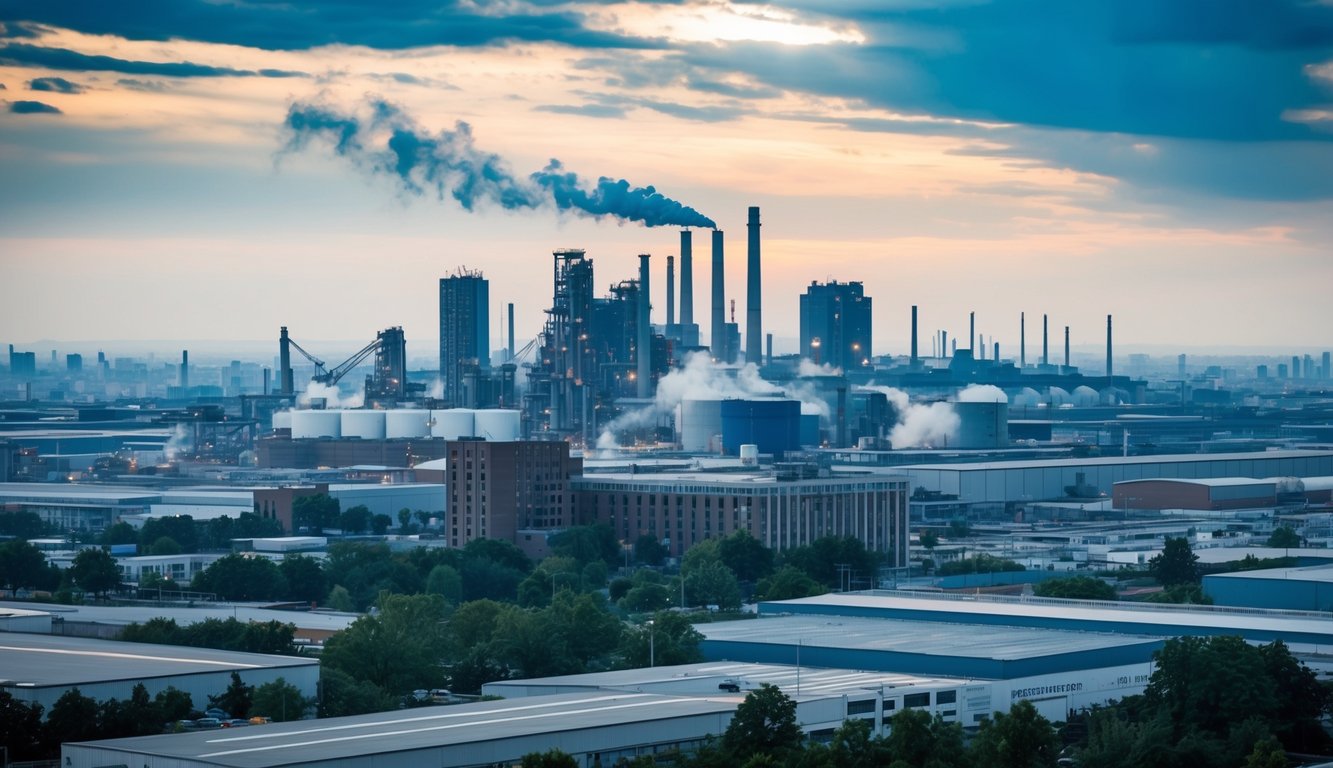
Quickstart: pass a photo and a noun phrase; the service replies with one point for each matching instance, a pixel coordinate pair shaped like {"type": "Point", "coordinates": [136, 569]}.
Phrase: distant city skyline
{"type": "Point", "coordinates": [163, 175]}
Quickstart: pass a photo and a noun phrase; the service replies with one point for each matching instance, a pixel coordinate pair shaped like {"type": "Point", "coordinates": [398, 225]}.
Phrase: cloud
{"type": "Point", "coordinates": [32, 108]}
{"type": "Point", "coordinates": [147, 86]}
{"type": "Point", "coordinates": [585, 110]}
{"type": "Point", "coordinates": [22, 54]}
{"type": "Point", "coordinates": [55, 85]}
{"type": "Point", "coordinates": [301, 25]}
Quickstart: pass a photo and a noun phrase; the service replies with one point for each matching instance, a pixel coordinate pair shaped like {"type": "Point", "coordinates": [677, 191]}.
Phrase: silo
{"type": "Point", "coordinates": [1085, 397]}
{"type": "Point", "coordinates": [700, 424]}
{"type": "Point", "coordinates": [308, 424]}
{"type": "Point", "coordinates": [452, 423]}
{"type": "Point", "coordinates": [496, 424]}
{"type": "Point", "coordinates": [407, 422]}
{"type": "Point", "coordinates": [367, 425]}
{"type": "Point", "coordinates": [982, 425]}
{"type": "Point", "coordinates": [772, 424]}
{"type": "Point", "coordinates": [282, 419]}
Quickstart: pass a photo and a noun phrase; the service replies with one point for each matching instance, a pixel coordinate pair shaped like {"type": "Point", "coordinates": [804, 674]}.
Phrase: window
{"type": "Point", "coordinates": [860, 707]}
{"type": "Point", "coordinates": [916, 700]}
{"type": "Point", "coordinates": [946, 697]}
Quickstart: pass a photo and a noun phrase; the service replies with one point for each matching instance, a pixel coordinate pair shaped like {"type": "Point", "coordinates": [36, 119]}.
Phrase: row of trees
{"type": "Point", "coordinates": [27, 735]}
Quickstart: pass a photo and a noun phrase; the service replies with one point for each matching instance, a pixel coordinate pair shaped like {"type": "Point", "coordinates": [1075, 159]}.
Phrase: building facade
{"type": "Point", "coordinates": [835, 325]}
{"type": "Point", "coordinates": [465, 338]}
{"type": "Point", "coordinates": [497, 489]}
{"type": "Point", "coordinates": [683, 509]}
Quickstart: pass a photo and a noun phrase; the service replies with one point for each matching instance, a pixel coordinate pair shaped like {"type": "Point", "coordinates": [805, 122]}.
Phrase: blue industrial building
{"type": "Point", "coordinates": [1295, 589]}
{"type": "Point", "coordinates": [774, 425]}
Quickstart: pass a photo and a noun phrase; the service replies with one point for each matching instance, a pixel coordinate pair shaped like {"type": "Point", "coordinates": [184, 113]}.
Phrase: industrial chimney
{"type": "Point", "coordinates": [185, 369]}
{"type": "Point", "coordinates": [1108, 346]}
{"type": "Point", "coordinates": [1066, 348]}
{"type": "Point", "coordinates": [285, 384]}
{"type": "Point", "coordinates": [511, 332]}
{"type": "Point", "coordinates": [1022, 340]}
{"type": "Point", "coordinates": [719, 307]}
{"type": "Point", "coordinates": [671, 291]}
{"type": "Point", "coordinates": [1045, 346]}
{"type": "Point", "coordinates": [754, 335]}
{"type": "Point", "coordinates": [688, 330]}
{"type": "Point", "coordinates": [972, 331]}
{"type": "Point", "coordinates": [913, 361]}
{"type": "Point", "coordinates": [643, 347]}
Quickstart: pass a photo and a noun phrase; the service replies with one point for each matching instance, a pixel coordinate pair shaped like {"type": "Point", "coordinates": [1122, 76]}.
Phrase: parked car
{"type": "Point", "coordinates": [218, 713]}
{"type": "Point", "coordinates": [441, 696]}
{"type": "Point", "coordinates": [208, 722]}
{"type": "Point", "coordinates": [260, 720]}
{"type": "Point", "coordinates": [235, 722]}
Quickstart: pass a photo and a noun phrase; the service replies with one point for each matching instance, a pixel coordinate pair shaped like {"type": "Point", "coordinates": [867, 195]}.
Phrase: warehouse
{"type": "Point", "coordinates": [1001, 482]}
{"type": "Point", "coordinates": [39, 669]}
{"type": "Point", "coordinates": [1297, 589]}
{"type": "Point", "coordinates": [1256, 625]}
{"type": "Point", "coordinates": [921, 647]}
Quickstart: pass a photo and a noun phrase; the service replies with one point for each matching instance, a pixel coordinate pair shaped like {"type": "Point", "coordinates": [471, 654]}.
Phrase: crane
{"type": "Point", "coordinates": [332, 377]}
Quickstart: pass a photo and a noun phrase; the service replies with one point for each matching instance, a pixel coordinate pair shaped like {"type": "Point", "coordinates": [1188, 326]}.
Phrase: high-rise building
{"type": "Point", "coordinates": [835, 324]}
{"type": "Point", "coordinates": [465, 333]}
{"type": "Point", "coordinates": [497, 490]}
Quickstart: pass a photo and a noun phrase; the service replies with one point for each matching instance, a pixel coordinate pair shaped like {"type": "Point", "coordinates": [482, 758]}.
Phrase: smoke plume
{"type": "Point", "coordinates": [982, 393]}
{"type": "Point", "coordinates": [387, 141]}
{"type": "Point", "coordinates": [332, 396]}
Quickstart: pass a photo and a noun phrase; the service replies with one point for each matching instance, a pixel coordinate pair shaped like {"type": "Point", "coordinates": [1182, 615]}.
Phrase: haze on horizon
{"type": "Point", "coordinates": [1170, 164]}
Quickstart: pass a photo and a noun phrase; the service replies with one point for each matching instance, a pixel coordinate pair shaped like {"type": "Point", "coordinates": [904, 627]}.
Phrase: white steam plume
{"type": "Point", "coordinates": [982, 393]}
{"type": "Point", "coordinates": [808, 367]}
{"type": "Point", "coordinates": [332, 396]}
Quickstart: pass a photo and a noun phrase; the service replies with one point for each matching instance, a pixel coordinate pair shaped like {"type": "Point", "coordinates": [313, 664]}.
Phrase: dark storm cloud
{"type": "Point", "coordinates": [302, 25]}
{"type": "Point", "coordinates": [32, 108]}
{"type": "Point", "coordinates": [23, 54]}
{"type": "Point", "coordinates": [54, 85]}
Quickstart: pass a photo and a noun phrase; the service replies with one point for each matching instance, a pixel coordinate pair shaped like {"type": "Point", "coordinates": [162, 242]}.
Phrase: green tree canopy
{"type": "Point", "coordinates": [788, 583]}
{"type": "Point", "coordinates": [341, 695]}
{"type": "Point", "coordinates": [1284, 537]}
{"type": "Point", "coordinates": [764, 724]}
{"type": "Point", "coordinates": [21, 525]}
{"type": "Point", "coordinates": [21, 565]}
{"type": "Point", "coordinates": [280, 701]}
{"type": "Point", "coordinates": [355, 520]}
{"type": "Point", "coordinates": [238, 577]}
{"type": "Point", "coordinates": [670, 639]}
{"type": "Point", "coordinates": [399, 650]}
{"type": "Point", "coordinates": [745, 555]}
{"type": "Point", "coordinates": [826, 559]}
{"type": "Point", "coordinates": [648, 550]}
{"type": "Point", "coordinates": [713, 584]}
{"type": "Point", "coordinates": [1075, 588]}
{"type": "Point", "coordinates": [94, 570]}
{"type": "Point", "coordinates": [587, 543]}
{"type": "Point", "coordinates": [305, 578]}
{"type": "Point", "coordinates": [1020, 738]}
{"type": "Point", "coordinates": [1176, 564]}
{"type": "Point", "coordinates": [236, 699]}
{"type": "Point", "coordinates": [179, 528]}
{"type": "Point", "coordinates": [314, 513]}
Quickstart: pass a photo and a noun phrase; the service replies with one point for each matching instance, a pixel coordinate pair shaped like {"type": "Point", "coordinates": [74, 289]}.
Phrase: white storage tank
{"type": "Point", "coordinates": [308, 424]}
{"type": "Point", "coordinates": [700, 425]}
{"type": "Point", "coordinates": [407, 422]}
{"type": "Point", "coordinates": [496, 424]}
{"type": "Point", "coordinates": [366, 425]}
{"type": "Point", "coordinates": [452, 423]}
{"type": "Point", "coordinates": [282, 419]}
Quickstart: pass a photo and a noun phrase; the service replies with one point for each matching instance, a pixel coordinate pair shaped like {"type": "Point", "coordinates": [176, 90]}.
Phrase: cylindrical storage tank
{"type": "Point", "coordinates": [452, 423]}
{"type": "Point", "coordinates": [407, 422]}
{"type": "Point", "coordinates": [366, 425]}
{"type": "Point", "coordinates": [982, 425]}
{"type": "Point", "coordinates": [496, 424]}
{"type": "Point", "coordinates": [810, 429]}
{"type": "Point", "coordinates": [308, 424]}
{"type": "Point", "coordinates": [282, 419]}
{"type": "Point", "coordinates": [749, 454]}
{"type": "Point", "coordinates": [700, 422]}
{"type": "Point", "coordinates": [772, 424]}
{"type": "Point", "coordinates": [1085, 397]}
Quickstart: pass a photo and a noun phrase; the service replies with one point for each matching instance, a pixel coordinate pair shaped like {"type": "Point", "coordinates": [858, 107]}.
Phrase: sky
{"type": "Point", "coordinates": [203, 171]}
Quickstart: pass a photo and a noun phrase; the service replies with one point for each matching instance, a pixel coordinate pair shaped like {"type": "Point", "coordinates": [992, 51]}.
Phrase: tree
{"type": "Point", "coordinates": [21, 566]}
{"type": "Point", "coordinates": [21, 525]}
{"type": "Point", "coordinates": [668, 640]}
{"type": "Point", "coordinates": [398, 650]}
{"type": "Point", "coordinates": [355, 520]}
{"type": "Point", "coordinates": [340, 599]}
{"type": "Point", "coordinates": [236, 700]}
{"type": "Point", "coordinates": [280, 701]}
{"type": "Point", "coordinates": [314, 513]}
{"type": "Point", "coordinates": [444, 580]}
{"type": "Point", "coordinates": [340, 694]}
{"type": "Point", "coordinates": [764, 723]}
{"type": "Point", "coordinates": [645, 597]}
{"type": "Point", "coordinates": [823, 557]}
{"type": "Point", "coordinates": [713, 584]}
{"type": "Point", "coordinates": [180, 528]}
{"type": "Point", "coordinates": [95, 571]}
{"type": "Point", "coordinates": [1021, 738]}
{"type": "Point", "coordinates": [745, 555]}
{"type": "Point", "coordinates": [649, 551]}
{"type": "Point", "coordinates": [552, 758]}
{"type": "Point", "coordinates": [172, 704]}
{"type": "Point", "coordinates": [119, 533]}
{"type": "Point", "coordinates": [305, 578]}
{"type": "Point", "coordinates": [1177, 563]}
{"type": "Point", "coordinates": [787, 584]}
{"type": "Point", "coordinates": [587, 543]}
{"type": "Point", "coordinates": [165, 545]}
{"type": "Point", "coordinates": [1284, 537]}
{"type": "Point", "coordinates": [379, 524]}
{"type": "Point", "coordinates": [404, 520]}
{"type": "Point", "coordinates": [72, 718]}
{"type": "Point", "coordinates": [1209, 684]}
{"type": "Point", "coordinates": [1075, 588]}
{"type": "Point", "coordinates": [929, 540]}
{"type": "Point", "coordinates": [20, 728]}
{"type": "Point", "coordinates": [1181, 594]}
{"type": "Point", "coordinates": [237, 577]}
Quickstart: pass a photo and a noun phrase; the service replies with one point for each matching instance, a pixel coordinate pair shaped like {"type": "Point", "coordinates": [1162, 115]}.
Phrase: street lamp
{"type": "Point", "coordinates": [652, 644]}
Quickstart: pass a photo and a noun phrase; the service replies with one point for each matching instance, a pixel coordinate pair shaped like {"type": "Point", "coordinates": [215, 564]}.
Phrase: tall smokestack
{"type": "Point", "coordinates": [267, 372]}
{"type": "Point", "coordinates": [285, 384]}
{"type": "Point", "coordinates": [972, 331]}
{"type": "Point", "coordinates": [644, 351]}
{"type": "Point", "coordinates": [1045, 347]}
{"type": "Point", "coordinates": [768, 339]}
{"type": "Point", "coordinates": [185, 369]}
{"type": "Point", "coordinates": [719, 306]}
{"type": "Point", "coordinates": [1066, 347]}
{"type": "Point", "coordinates": [511, 330]}
{"type": "Point", "coordinates": [754, 334]}
{"type": "Point", "coordinates": [1108, 346]}
{"type": "Point", "coordinates": [688, 334]}
{"type": "Point", "coordinates": [996, 356]}
{"type": "Point", "coordinates": [1022, 340]}
{"type": "Point", "coordinates": [671, 290]}
{"type": "Point", "coordinates": [913, 336]}
{"type": "Point", "coordinates": [944, 343]}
